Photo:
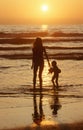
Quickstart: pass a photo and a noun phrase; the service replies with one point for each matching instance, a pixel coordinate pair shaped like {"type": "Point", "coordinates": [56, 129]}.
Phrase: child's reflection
{"type": "Point", "coordinates": [55, 104]}
{"type": "Point", "coordinates": [38, 115]}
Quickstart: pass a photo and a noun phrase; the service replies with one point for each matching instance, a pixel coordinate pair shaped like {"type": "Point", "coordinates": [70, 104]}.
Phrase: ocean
{"type": "Point", "coordinates": [63, 43]}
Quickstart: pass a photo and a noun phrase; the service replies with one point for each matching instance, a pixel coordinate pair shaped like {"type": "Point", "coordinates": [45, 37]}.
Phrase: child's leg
{"type": "Point", "coordinates": [57, 81]}
{"type": "Point", "coordinates": [53, 78]}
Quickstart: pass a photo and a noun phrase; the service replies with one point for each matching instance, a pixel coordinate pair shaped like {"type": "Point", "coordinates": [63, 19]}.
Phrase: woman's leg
{"type": "Point", "coordinates": [40, 74]}
{"type": "Point", "coordinates": [34, 75]}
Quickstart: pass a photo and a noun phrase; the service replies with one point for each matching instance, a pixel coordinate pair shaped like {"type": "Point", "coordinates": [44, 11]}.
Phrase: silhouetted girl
{"type": "Point", "coordinates": [38, 60]}
{"type": "Point", "coordinates": [55, 70]}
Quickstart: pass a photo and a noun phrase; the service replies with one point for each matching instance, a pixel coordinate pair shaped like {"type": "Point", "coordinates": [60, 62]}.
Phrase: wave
{"type": "Point", "coordinates": [47, 47]}
{"type": "Point", "coordinates": [14, 48]}
{"type": "Point", "coordinates": [59, 56]}
{"type": "Point", "coordinates": [19, 46]}
{"type": "Point", "coordinates": [42, 34]}
{"type": "Point", "coordinates": [26, 90]}
{"type": "Point", "coordinates": [62, 34]}
{"type": "Point", "coordinates": [18, 41]}
{"type": "Point", "coordinates": [61, 48]}
{"type": "Point", "coordinates": [21, 38]}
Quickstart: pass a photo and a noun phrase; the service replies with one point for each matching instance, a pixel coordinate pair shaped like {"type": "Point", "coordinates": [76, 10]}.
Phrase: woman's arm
{"type": "Point", "coordinates": [32, 60]}
{"type": "Point", "coordinates": [46, 57]}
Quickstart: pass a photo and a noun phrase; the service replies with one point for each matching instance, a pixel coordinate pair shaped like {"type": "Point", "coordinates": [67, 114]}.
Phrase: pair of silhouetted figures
{"type": "Point", "coordinates": [38, 64]}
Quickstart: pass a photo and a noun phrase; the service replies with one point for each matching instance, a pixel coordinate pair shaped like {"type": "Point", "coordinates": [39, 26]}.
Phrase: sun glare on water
{"type": "Point", "coordinates": [44, 8]}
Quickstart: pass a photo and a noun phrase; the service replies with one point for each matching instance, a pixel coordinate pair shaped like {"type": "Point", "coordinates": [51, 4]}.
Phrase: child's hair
{"type": "Point", "coordinates": [53, 63]}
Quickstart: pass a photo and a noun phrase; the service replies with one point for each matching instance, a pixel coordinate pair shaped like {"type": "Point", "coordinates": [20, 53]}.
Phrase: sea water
{"type": "Point", "coordinates": [63, 43]}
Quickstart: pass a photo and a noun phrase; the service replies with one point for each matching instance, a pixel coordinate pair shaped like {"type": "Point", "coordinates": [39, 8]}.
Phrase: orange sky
{"type": "Point", "coordinates": [29, 12]}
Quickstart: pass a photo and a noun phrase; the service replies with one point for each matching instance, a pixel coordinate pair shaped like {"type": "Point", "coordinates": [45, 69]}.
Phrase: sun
{"type": "Point", "coordinates": [44, 8]}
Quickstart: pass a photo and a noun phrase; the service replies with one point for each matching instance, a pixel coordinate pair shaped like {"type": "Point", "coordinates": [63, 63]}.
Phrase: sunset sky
{"type": "Point", "coordinates": [32, 12]}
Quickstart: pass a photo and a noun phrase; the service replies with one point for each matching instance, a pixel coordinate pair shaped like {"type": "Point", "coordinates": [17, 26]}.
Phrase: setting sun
{"type": "Point", "coordinates": [41, 11]}
{"type": "Point", "coordinates": [44, 8]}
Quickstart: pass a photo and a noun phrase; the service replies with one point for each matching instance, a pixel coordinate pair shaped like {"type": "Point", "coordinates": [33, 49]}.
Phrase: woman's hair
{"type": "Point", "coordinates": [37, 43]}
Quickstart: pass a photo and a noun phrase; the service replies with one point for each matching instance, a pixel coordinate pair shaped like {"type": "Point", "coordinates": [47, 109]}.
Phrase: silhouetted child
{"type": "Point", "coordinates": [55, 70]}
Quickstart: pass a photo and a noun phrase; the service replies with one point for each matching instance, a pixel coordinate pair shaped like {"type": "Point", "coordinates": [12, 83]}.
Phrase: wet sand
{"type": "Point", "coordinates": [16, 114]}
{"type": "Point", "coordinates": [75, 126]}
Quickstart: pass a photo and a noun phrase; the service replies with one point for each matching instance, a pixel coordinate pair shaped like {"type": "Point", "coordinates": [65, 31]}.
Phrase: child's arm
{"type": "Point", "coordinates": [50, 70]}
{"type": "Point", "coordinates": [59, 70]}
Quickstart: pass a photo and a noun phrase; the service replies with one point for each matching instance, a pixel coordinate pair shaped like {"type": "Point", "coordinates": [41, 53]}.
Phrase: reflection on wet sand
{"type": "Point", "coordinates": [38, 115]}
{"type": "Point", "coordinates": [55, 103]}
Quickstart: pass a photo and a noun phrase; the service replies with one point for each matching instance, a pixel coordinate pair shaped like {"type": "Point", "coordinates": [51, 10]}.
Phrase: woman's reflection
{"type": "Point", "coordinates": [38, 114]}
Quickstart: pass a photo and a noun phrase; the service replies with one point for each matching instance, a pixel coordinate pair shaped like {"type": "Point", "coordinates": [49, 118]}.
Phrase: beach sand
{"type": "Point", "coordinates": [16, 114]}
